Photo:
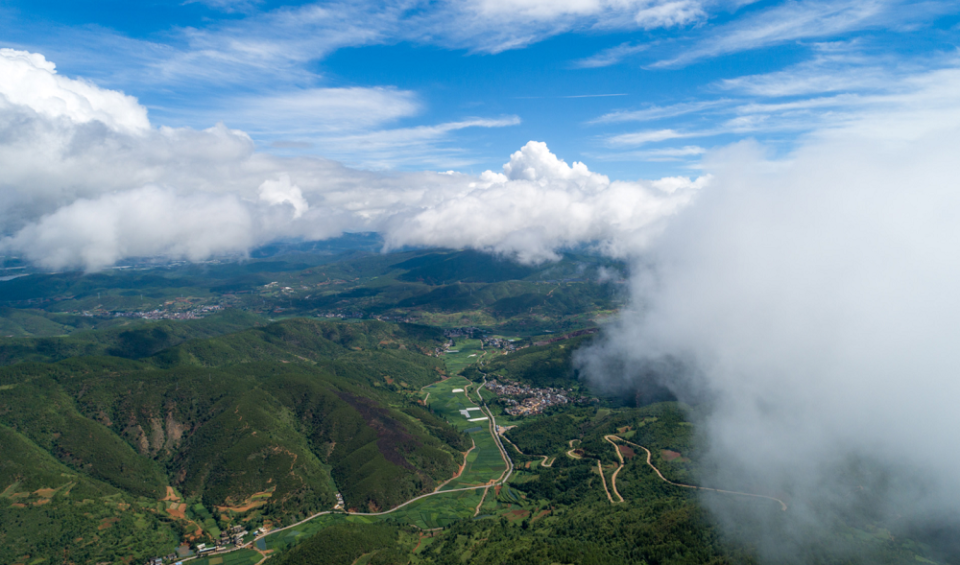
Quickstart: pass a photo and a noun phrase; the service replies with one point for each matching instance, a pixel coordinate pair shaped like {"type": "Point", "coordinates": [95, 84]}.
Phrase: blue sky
{"type": "Point", "coordinates": [635, 88]}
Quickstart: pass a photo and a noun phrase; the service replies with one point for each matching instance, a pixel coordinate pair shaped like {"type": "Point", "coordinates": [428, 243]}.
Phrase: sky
{"type": "Point", "coordinates": [634, 88]}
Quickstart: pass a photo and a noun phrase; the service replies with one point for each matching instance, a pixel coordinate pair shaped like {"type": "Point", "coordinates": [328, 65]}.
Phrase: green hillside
{"type": "Point", "coordinates": [260, 425]}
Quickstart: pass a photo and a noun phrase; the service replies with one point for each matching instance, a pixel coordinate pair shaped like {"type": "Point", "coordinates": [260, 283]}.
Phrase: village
{"type": "Point", "coordinates": [535, 400]}
{"type": "Point", "coordinates": [230, 539]}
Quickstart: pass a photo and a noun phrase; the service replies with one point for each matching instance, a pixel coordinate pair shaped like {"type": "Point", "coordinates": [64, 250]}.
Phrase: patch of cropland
{"type": "Point", "coordinates": [254, 427]}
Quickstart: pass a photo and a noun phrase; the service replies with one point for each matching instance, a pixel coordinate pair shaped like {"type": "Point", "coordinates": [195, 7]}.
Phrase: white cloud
{"type": "Point", "coordinates": [663, 154]}
{"type": "Point", "coordinates": [833, 68]}
{"type": "Point", "coordinates": [609, 57]}
{"type": "Point", "coordinates": [280, 191]}
{"type": "Point", "coordinates": [807, 19]}
{"type": "Point", "coordinates": [143, 222]}
{"type": "Point", "coordinates": [321, 109]}
{"type": "Point", "coordinates": [653, 113]}
{"type": "Point", "coordinates": [498, 25]}
{"type": "Point", "coordinates": [809, 298]}
{"type": "Point", "coordinates": [29, 80]}
{"type": "Point", "coordinates": [670, 14]}
{"type": "Point", "coordinates": [540, 204]}
{"type": "Point", "coordinates": [387, 148]}
{"type": "Point", "coordinates": [78, 194]}
{"type": "Point", "coordinates": [277, 44]}
{"type": "Point", "coordinates": [643, 12]}
{"type": "Point", "coordinates": [646, 136]}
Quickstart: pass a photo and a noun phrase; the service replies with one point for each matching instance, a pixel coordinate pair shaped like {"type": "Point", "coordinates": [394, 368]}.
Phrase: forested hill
{"type": "Point", "coordinates": [263, 424]}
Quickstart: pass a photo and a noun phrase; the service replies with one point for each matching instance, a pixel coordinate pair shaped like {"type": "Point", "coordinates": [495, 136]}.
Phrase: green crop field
{"type": "Point", "coordinates": [241, 557]}
{"type": "Point", "coordinates": [469, 351]}
{"type": "Point", "coordinates": [484, 463]}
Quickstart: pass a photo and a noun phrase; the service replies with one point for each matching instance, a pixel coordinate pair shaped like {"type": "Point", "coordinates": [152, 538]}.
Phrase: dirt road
{"type": "Point", "coordinates": [611, 438]}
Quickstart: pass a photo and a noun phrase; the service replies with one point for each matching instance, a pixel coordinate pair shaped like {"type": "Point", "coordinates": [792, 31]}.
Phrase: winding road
{"type": "Point", "coordinates": [611, 438]}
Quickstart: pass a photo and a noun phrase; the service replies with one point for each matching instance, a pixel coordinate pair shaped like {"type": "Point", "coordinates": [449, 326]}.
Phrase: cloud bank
{"type": "Point", "coordinates": [89, 182]}
{"type": "Point", "coordinates": [811, 302]}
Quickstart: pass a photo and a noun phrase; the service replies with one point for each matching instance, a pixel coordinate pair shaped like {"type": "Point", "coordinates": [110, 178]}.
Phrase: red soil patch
{"type": "Point", "coordinates": [627, 452]}
{"type": "Point", "coordinates": [41, 502]}
{"type": "Point", "coordinates": [669, 455]}
{"type": "Point", "coordinates": [624, 429]}
{"type": "Point", "coordinates": [18, 505]}
{"type": "Point", "coordinates": [517, 514]}
{"type": "Point", "coordinates": [241, 509]}
{"type": "Point", "coordinates": [527, 466]}
{"type": "Point", "coordinates": [45, 492]}
{"type": "Point", "coordinates": [107, 522]}
{"type": "Point", "coordinates": [388, 379]}
{"type": "Point", "coordinates": [419, 541]}
{"type": "Point", "coordinates": [249, 504]}
{"type": "Point", "coordinates": [178, 511]}
{"type": "Point", "coordinates": [171, 496]}
{"type": "Point", "coordinates": [498, 489]}
{"type": "Point", "coordinates": [539, 515]}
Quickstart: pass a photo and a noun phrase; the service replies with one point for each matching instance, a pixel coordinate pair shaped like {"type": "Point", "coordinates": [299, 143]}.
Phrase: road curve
{"type": "Point", "coordinates": [610, 438]}
{"type": "Point", "coordinates": [613, 478]}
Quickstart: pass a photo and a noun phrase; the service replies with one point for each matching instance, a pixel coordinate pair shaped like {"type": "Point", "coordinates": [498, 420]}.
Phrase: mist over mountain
{"type": "Point", "coordinates": [810, 302]}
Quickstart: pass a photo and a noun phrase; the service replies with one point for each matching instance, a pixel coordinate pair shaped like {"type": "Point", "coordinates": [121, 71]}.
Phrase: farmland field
{"type": "Point", "coordinates": [469, 351]}
{"type": "Point", "coordinates": [241, 557]}
{"type": "Point", "coordinates": [484, 463]}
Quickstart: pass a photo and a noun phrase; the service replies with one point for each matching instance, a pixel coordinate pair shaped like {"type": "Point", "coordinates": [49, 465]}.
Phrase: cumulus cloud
{"type": "Point", "coordinates": [810, 302]}
{"type": "Point", "coordinates": [81, 192]}
{"type": "Point", "coordinates": [29, 80]}
{"type": "Point", "coordinates": [540, 204]}
{"type": "Point", "coordinates": [144, 222]}
{"type": "Point", "coordinates": [280, 191]}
